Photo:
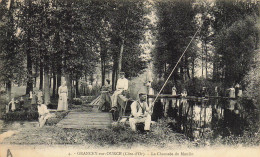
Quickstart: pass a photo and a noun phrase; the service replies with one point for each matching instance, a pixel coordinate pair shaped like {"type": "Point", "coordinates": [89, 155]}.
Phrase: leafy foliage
{"type": "Point", "coordinates": [235, 39]}
{"type": "Point", "coordinates": [176, 26]}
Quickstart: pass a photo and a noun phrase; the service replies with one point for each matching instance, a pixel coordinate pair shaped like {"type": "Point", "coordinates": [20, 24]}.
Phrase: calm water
{"type": "Point", "coordinates": [199, 118]}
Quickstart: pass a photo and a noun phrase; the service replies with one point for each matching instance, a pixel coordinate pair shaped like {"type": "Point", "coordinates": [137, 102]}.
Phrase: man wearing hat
{"type": "Point", "coordinates": [122, 85]}
{"type": "Point", "coordinates": [140, 113]}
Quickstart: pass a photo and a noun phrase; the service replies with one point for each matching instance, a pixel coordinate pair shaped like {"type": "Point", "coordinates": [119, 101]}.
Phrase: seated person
{"type": "Point", "coordinates": [44, 113]}
{"type": "Point", "coordinates": [140, 113]}
{"type": "Point", "coordinates": [105, 96]}
{"type": "Point", "coordinates": [122, 85]}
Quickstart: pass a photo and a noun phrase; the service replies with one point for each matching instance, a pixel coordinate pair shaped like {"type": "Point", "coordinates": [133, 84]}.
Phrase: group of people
{"type": "Point", "coordinates": [37, 98]}
{"type": "Point", "coordinates": [140, 110]}
{"type": "Point", "coordinates": [43, 111]}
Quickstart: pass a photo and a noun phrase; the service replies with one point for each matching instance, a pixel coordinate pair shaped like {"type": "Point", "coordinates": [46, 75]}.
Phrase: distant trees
{"type": "Point", "coordinates": [235, 39]}
{"type": "Point", "coordinates": [224, 46]}
{"type": "Point", "coordinates": [10, 59]}
{"type": "Point", "coordinates": [68, 38]}
{"type": "Point", "coordinates": [176, 26]}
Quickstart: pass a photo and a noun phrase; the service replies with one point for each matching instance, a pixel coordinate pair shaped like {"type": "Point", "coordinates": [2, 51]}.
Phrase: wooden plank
{"type": "Point", "coordinates": [85, 123]}
{"type": "Point", "coordinates": [75, 122]}
{"type": "Point", "coordinates": [87, 127]}
{"type": "Point", "coordinates": [85, 120]}
{"type": "Point", "coordinates": [83, 126]}
{"type": "Point", "coordinates": [98, 115]}
{"type": "Point", "coordinates": [84, 113]}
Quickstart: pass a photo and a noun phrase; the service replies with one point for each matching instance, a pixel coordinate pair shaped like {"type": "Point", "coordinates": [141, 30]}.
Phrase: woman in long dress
{"type": "Point", "coordinates": [63, 97]}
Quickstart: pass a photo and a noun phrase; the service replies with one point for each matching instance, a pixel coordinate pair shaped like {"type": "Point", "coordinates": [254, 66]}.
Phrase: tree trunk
{"type": "Point", "coordinates": [103, 55]}
{"type": "Point", "coordinates": [114, 75]}
{"type": "Point", "coordinates": [103, 71]}
{"type": "Point", "coordinates": [36, 72]}
{"type": "Point", "coordinates": [206, 60]}
{"type": "Point", "coordinates": [54, 85]}
{"type": "Point", "coordinates": [41, 76]}
{"type": "Point", "coordinates": [187, 67]}
{"type": "Point", "coordinates": [58, 79]}
{"type": "Point", "coordinates": [77, 88]}
{"type": "Point", "coordinates": [202, 60]}
{"type": "Point", "coordinates": [193, 69]}
{"type": "Point", "coordinates": [69, 86]}
{"type": "Point", "coordinates": [50, 81]}
{"type": "Point", "coordinates": [29, 86]}
{"type": "Point", "coordinates": [46, 86]}
{"type": "Point", "coordinates": [9, 90]}
{"type": "Point", "coordinates": [120, 57]}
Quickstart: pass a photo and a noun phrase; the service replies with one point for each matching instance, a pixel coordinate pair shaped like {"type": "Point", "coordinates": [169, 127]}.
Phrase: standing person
{"type": "Point", "coordinates": [40, 95]}
{"type": "Point", "coordinates": [122, 85]}
{"type": "Point", "coordinates": [44, 113]}
{"type": "Point", "coordinates": [140, 113]}
{"type": "Point", "coordinates": [238, 90]}
{"type": "Point", "coordinates": [150, 91]}
{"type": "Point", "coordinates": [232, 92]}
{"type": "Point", "coordinates": [12, 103]}
{"type": "Point", "coordinates": [105, 96]}
{"type": "Point", "coordinates": [174, 91]}
{"type": "Point", "coordinates": [63, 97]}
{"type": "Point", "coordinates": [31, 93]}
{"type": "Point", "coordinates": [34, 99]}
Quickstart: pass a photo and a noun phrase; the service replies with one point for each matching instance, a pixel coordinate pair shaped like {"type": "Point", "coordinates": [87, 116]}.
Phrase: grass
{"type": "Point", "coordinates": [121, 136]}
{"type": "Point", "coordinates": [117, 136]}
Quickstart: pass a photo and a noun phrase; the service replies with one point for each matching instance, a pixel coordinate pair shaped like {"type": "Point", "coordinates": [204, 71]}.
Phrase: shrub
{"type": "Point", "coordinates": [21, 115]}
{"type": "Point", "coordinates": [76, 101]}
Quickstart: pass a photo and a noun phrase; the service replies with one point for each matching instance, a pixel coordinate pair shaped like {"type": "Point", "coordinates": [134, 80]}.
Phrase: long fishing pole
{"type": "Point", "coordinates": [175, 66]}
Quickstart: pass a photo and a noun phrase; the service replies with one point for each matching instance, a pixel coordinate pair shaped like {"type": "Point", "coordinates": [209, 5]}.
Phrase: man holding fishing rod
{"type": "Point", "coordinates": [140, 113]}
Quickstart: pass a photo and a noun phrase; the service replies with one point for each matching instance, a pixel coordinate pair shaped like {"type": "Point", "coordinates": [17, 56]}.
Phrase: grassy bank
{"type": "Point", "coordinates": [121, 136]}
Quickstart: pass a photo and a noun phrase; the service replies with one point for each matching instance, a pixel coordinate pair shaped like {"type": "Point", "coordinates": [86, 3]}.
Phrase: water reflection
{"type": "Point", "coordinates": [197, 117]}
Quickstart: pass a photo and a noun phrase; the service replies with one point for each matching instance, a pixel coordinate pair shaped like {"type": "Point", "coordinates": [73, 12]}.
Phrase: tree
{"type": "Point", "coordinates": [236, 45]}
{"type": "Point", "coordinates": [127, 24]}
{"type": "Point", "coordinates": [10, 58]}
{"type": "Point", "coordinates": [252, 79]}
{"type": "Point", "coordinates": [176, 26]}
{"type": "Point", "coordinates": [235, 39]}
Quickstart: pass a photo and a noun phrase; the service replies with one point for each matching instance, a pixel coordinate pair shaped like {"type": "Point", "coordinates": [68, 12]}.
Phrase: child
{"type": "Point", "coordinates": [44, 113]}
{"type": "Point", "coordinates": [12, 103]}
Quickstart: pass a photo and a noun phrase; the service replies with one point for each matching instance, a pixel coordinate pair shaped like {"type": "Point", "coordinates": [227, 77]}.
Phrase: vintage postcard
{"type": "Point", "coordinates": [129, 78]}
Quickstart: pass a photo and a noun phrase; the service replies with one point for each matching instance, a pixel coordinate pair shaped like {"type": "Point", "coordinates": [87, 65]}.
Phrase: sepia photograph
{"type": "Point", "coordinates": [129, 78]}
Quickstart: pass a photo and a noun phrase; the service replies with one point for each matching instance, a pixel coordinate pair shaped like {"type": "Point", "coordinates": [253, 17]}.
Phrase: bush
{"type": "Point", "coordinates": [21, 115]}
{"type": "Point", "coordinates": [77, 101]}
{"type": "Point", "coordinates": [194, 86]}
{"type": "Point", "coordinates": [157, 85]}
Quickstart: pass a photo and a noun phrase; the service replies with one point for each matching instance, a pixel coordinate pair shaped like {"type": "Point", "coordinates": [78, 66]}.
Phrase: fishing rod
{"type": "Point", "coordinates": [175, 67]}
